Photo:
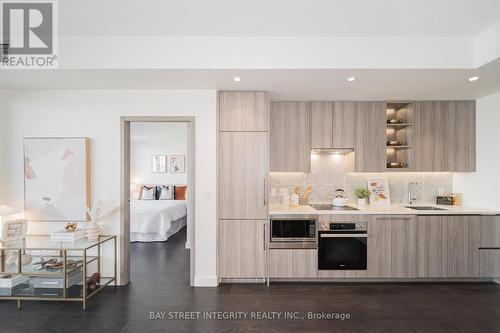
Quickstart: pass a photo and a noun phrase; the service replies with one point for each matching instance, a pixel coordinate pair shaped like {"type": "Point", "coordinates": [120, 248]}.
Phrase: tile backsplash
{"type": "Point", "coordinates": [331, 171]}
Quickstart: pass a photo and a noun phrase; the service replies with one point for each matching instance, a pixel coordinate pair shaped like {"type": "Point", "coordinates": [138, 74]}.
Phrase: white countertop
{"type": "Point", "coordinates": [395, 209]}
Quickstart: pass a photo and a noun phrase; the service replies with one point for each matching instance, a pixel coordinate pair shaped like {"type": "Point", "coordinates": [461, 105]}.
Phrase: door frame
{"type": "Point", "coordinates": [125, 189]}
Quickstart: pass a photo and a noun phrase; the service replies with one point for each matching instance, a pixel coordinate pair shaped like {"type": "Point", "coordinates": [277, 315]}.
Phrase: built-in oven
{"type": "Point", "coordinates": [343, 246]}
{"type": "Point", "coordinates": [293, 231]}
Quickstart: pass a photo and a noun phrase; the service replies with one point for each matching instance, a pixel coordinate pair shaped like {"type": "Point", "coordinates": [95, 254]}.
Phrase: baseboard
{"type": "Point", "coordinates": [188, 245]}
{"type": "Point", "coordinates": [205, 281]}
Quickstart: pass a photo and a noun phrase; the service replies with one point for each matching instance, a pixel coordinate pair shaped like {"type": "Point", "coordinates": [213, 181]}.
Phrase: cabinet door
{"type": "Point", "coordinates": [321, 124]}
{"type": "Point", "coordinates": [343, 125]}
{"type": "Point", "coordinates": [370, 137]}
{"type": "Point", "coordinates": [445, 136]}
{"type": "Point", "coordinates": [293, 263]}
{"type": "Point", "coordinates": [489, 262]}
{"type": "Point", "coordinates": [392, 247]}
{"type": "Point", "coordinates": [430, 254]}
{"type": "Point", "coordinates": [243, 111]}
{"type": "Point", "coordinates": [461, 240]}
{"type": "Point", "coordinates": [290, 137]}
{"type": "Point", "coordinates": [243, 165]}
{"type": "Point", "coordinates": [241, 249]}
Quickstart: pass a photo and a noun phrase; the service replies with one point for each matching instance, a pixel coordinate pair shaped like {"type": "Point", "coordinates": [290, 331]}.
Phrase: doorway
{"type": "Point", "coordinates": [126, 185]}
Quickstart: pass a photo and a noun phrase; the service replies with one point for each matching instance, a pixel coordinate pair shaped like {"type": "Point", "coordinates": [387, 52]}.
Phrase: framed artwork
{"type": "Point", "coordinates": [379, 191]}
{"type": "Point", "coordinates": [56, 179]}
{"type": "Point", "coordinates": [159, 164]}
{"type": "Point", "coordinates": [177, 163]}
{"type": "Point", "coordinates": [12, 231]}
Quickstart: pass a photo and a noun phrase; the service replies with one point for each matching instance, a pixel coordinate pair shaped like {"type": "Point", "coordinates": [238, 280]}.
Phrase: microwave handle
{"type": "Point", "coordinates": [343, 235]}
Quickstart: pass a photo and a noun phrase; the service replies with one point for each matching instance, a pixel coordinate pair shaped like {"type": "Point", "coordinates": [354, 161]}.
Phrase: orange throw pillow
{"type": "Point", "coordinates": [180, 192]}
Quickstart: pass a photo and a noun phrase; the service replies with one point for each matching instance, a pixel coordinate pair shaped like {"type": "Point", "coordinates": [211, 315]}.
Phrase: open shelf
{"type": "Point", "coordinates": [401, 132]}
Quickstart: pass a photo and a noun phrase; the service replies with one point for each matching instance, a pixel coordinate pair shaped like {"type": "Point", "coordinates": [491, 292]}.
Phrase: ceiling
{"type": "Point", "coordinates": [277, 17]}
{"type": "Point", "coordinates": [290, 84]}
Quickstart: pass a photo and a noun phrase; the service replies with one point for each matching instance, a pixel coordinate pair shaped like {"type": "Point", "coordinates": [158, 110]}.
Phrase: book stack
{"type": "Point", "coordinates": [67, 236]}
{"type": "Point", "coordinates": [8, 283]}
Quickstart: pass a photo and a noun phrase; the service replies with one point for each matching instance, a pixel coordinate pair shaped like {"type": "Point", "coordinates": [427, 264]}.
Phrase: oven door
{"type": "Point", "coordinates": [289, 230]}
{"type": "Point", "coordinates": [342, 250]}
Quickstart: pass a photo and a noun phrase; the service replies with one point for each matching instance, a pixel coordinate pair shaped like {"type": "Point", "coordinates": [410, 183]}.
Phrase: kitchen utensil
{"type": "Point", "coordinates": [340, 200]}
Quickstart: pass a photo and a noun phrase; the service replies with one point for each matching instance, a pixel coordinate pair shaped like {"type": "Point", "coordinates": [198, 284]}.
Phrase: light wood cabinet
{"type": "Point", "coordinates": [448, 246]}
{"type": "Point", "coordinates": [290, 140]}
{"type": "Point", "coordinates": [293, 263]}
{"type": "Point", "coordinates": [243, 111]}
{"type": "Point", "coordinates": [445, 136]}
{"type": "Point", "coordinates": [243, 165]}
{"type": "Point", "coordinates": [321, 124]}
{"type": "Point", "coordinates": [392, 246]}
{"type": "Point", "coordinates": [332, 124]}
{"type": "Point", "coordinates": [370, 145]}
{"type": "Point", "coordinates": [242, 252]}
{"type": "Point", "coordinates": [489, 251]}
{"type": "Point", "coordinates": [430, 253]}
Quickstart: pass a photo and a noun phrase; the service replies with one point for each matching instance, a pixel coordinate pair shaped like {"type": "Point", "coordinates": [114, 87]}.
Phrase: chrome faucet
{"type": "Point", "coordinates": [411, 198]}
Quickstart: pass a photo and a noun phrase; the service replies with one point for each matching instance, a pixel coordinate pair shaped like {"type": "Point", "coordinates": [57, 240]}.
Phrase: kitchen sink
{"type": "Point", "coordinates": [424, 208]}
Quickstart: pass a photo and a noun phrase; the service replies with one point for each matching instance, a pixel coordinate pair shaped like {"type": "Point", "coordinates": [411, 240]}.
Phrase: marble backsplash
{"type": "Point", "coordinates": [330, 171]}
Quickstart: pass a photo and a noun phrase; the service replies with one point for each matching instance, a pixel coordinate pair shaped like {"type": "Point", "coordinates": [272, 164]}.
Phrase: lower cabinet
{"type": "Point", "coordinates": [448, 246]}
{"type": "Point", "coordinates": [293, 263]}
{"type": "Point", "coordinates": [489, 251]}
{"type": "Point", "coordinates": [241, 247]}
{"type": "Point", "coordinates": [489, 263]}
{"type": "Point", "coordinates": [392, 247]}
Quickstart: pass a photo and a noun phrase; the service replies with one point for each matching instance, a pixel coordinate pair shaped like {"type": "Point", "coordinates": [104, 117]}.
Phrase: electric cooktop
{"type": "Point", "coordinates": [332, 207]}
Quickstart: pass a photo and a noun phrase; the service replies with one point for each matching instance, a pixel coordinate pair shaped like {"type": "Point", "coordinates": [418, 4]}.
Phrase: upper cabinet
{"type": "Point", "coordinates": [332, 125]}
{"type": "Point", "coordinates": [290, 138]}
{"type": "Point", "coordinates": [243, 111]}
{"type": "Point", "coordinates": [370, 144]}
{"type": "Point", "coordinates": [445, 136]}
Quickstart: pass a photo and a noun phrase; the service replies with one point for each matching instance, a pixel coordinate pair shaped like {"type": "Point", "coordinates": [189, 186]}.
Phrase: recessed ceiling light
{"type": "Point", "coordinates": [351, 79]}
{"type": "Point", "coordinates": [236, 78]}
{"type": "Point", "coordinates": [473, 78]}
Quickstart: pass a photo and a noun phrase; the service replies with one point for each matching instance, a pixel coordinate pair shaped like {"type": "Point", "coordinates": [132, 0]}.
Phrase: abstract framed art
{"type": "Point", "coordinates": [56, 179]}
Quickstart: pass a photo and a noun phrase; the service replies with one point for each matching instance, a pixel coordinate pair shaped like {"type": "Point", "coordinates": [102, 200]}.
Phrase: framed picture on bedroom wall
{"type": "Point", "coordinates": [56, 179]}
{"type": "Point", "coordinates": [177, 163]}
{"type": "Point", "coordinates": [159, 164]}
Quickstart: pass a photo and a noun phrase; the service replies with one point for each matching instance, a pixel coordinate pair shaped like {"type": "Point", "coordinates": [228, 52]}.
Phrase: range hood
{"type": "Point", "coordinates": [331, 150]}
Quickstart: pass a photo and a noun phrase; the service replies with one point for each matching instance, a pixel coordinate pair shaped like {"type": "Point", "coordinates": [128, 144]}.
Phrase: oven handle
{"type": "Point", "coordinates": [343, 235]}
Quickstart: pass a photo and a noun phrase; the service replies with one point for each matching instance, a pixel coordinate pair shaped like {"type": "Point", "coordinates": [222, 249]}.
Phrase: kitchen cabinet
{"type": "Point", "coordinates": [243, 111]}
{"type": "Point", "coordinates": [448, 246]}
{"type": "Point", "coordinates": [445, 136]}
{"type": "Point", "coordinates": [370, 143]}
{"type": "Point", "coordinates": [332, 125]}
{"type": "Point", "coordinates": [290, 139]}
{"type": "Point", "coordinates": [243, 167]}
{"type": "Point", "coordinates": [489, 251]}
{"type": "Point", "coordinates": [293, 263]}
{"type": "Point", "coordinates": [392, 246]}
{"type": "Point", "coordinates": [241, 247]}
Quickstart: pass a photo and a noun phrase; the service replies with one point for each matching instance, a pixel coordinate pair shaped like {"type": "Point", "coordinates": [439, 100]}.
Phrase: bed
{"type": "Point", "coordinates": [156, 220]}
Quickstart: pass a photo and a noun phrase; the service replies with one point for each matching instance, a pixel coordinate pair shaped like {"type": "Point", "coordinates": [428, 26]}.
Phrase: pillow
{"type": "Point", "coordinates": [148, 193]}
{"type": "Point", "coordinates": [180, 192]}
{"type": "Point", "coordinates": [166, 192]}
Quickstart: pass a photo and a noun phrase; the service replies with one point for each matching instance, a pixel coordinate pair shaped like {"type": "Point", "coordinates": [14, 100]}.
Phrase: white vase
{"type": "Point", "coordinates": [93, 231]}
{"type": "Point", "coordinates": [362, 202]}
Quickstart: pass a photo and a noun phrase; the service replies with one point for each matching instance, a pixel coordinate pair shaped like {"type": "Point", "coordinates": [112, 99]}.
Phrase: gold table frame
{"type": "Point", "coordinates": [63, 249]}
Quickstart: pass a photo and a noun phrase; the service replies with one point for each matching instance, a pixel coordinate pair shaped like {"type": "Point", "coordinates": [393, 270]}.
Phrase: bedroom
{"type": "Point", "coordinates": [158, 191]}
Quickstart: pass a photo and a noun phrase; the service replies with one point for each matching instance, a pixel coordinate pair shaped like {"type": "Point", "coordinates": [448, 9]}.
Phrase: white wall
{"type": "Point", "coordinates": [96, 114]}
{"type": "Point", "coordinates": [148, 139]}
{"type": "Point", "coordinates": [481, 188]}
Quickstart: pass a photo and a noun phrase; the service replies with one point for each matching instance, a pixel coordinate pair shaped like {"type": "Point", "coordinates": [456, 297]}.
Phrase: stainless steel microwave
{"type": "Point", "coordinates": [295, 231]}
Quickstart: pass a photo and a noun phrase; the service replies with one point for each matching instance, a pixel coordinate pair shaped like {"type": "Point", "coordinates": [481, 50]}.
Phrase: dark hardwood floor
{"type": "Point", "coordinates": [160, 277]}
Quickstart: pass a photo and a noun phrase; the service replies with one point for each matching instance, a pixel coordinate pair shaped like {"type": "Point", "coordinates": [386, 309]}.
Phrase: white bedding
{"type": "Point", "coordinates": [156, 220]}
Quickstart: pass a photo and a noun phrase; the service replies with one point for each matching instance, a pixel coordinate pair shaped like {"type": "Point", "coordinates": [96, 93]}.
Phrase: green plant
{"type": "Point", "coordinates": [361, 193]}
